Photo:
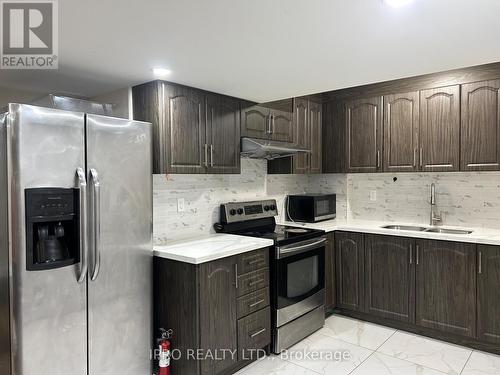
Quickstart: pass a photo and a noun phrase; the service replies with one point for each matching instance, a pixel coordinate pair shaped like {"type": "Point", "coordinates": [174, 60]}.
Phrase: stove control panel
{"type": "Point", "coordinates": [242, 211]}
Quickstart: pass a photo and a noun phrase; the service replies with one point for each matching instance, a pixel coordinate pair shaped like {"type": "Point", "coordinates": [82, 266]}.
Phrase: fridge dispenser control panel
{"type": "Point", "coordinates": [52, 228]}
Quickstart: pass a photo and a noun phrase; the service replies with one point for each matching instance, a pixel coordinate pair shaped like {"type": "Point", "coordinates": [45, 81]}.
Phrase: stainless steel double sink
{"type": "Point", "coordinates": [415, 228]}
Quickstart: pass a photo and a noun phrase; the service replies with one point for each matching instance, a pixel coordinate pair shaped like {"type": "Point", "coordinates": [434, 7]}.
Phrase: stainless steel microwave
{"type": "Point", "coordinates": [311, 208]}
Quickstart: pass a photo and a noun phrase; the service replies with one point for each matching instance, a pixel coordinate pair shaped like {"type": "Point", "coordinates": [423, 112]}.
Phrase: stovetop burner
{"type": "Point", "coordinates": [295, 230]}
{"type": "Point", "coordinates": [282, 234]}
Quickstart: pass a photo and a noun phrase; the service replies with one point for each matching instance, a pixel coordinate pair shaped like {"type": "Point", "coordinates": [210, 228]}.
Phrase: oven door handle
{"type": "Point", "coordinates": [286, 251]}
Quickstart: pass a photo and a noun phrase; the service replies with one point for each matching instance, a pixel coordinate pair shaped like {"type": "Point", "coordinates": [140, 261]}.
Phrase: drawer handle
{"type": "Point", "coordinates": [252, 283]}
{"type": "Point", "coordinates": [258, 333]}
{"type": "Point", "coordinates": [254, 261]}
{"type": "Point", "coordinates": [257, 303]}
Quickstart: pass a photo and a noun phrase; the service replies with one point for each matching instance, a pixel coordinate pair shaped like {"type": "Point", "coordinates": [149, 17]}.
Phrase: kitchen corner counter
{"type": "Point", "coordinates": [208, 248]}
{"type": "Point", "coordinates": [485, 236]}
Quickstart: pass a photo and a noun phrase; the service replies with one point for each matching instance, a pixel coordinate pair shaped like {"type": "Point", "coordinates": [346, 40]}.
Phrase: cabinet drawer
{"type": "Point", "coordinates": [253, 302]}
{"type": "Point", "coordinates": [254, 331]}
{"type": "Point", "coordinates": [253, 281]}
{"type": "Point", "coordinates": [253, 261]}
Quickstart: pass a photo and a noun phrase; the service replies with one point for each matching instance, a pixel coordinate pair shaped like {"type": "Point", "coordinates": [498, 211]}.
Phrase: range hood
{"type": "Point", "coordinates": [265, 149]}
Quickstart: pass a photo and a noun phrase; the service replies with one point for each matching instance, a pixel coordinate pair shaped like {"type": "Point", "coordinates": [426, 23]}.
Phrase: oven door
{"type": "Point", "coordinates": [299, 279]}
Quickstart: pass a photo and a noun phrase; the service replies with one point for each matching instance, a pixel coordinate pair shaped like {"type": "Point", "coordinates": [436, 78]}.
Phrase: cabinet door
{"type": "Point", "coordinates": [488, 297]}
{"type": "Point", "coordinates": [390, 277]}
{"type": "Point", "coordinates": [223, 134]}
{"type": "Point", "coordinates": [440, 129]}
{"type": "Point", "coordinates": [364, 135]}
{"type": "Point", "coordinates": [480, 131]}
{"type": "Point", "coordinates": [446, 286]}
{"type": "Point", "coordinates": [255, 122]}
{"type": "Point", "coordinates": [281, 126]}
{"type": "Point", "coordinates": [302, 135]}
{"type": "Point", "coordinates": [184, 111]}
{"type": "Point", "coordinates": [218, 313]}
{"type": "Point", "coordinates": [315, 157]}
{"type": "Point", "coordinates": [349, 262]}
{"type": "Point", "coordinates": [330, 272]}
{"type": "Point", "coordinates": [333, 139]}
{"type": "Point", "coordinates": [401, 125]}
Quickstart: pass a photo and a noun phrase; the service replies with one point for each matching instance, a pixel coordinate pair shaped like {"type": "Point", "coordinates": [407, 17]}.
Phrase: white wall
{"type": "Point", "coordinates": [17, 96]}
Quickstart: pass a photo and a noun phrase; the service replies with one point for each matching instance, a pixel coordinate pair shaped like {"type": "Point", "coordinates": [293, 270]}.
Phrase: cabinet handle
{"type": "Point", "coordinates": [206, 155]}
{"type": "Point", "coordinates": [268, 130]}
{"type": "Point", "coordinates": [252, 335]}
{"type": "Point", "coordinates": [236, 275]}
{"type": "Point", "coordinates": [272, 124]}
{"type": "Point", "coordinates": [480, 266]}
{"type": "Point", "coordinates": [421, 158]}
{"type": "Point", "coordinates": [414, 157]}
{"type": "Point", "coordinates": [257, 303]}
{"type": "Point", "coordinates": [378, 158]}
{"type": "Point", "coordinates": [257, 282]}
{"type": "Point", "coordinates": [211, 155]}
{"type": "Point", "coordinates": [258, 260]}
{"type": "Point", "coordinates": [418, 254]}
{"type": "Point", "coordinates": [411, 254]}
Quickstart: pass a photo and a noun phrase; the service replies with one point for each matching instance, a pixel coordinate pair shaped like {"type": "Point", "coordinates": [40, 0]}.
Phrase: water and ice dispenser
{"type": "Point", "coordinates": [52, 228]}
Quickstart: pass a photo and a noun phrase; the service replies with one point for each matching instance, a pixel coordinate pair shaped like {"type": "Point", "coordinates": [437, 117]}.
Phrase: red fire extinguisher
{"type": "Point", "coordinates": [164, 354]}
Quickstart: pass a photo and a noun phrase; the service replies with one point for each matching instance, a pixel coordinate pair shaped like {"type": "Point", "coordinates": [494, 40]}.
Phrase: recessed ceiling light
{"type": "Point", "coordinates": [161, 72]}
{"type": "Point", "coordinates": [397, 3]}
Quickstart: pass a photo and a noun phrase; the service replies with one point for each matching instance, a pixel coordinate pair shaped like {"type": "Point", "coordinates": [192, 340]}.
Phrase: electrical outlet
{"type": "Point", "coordinates": [180, 204]}
{"type": "Point", "coordinates": [373, 195]}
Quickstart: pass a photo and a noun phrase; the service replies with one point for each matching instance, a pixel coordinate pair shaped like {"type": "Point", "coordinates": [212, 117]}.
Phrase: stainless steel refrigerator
{"type": "Point", "coordinates": [75, 243]}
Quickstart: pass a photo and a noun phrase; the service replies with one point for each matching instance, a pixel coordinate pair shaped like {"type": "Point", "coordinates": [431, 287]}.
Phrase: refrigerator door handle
{"type": "Point", "coordinates": [82, 186]}
{"type": "Point", "coordinates": [96, 223]}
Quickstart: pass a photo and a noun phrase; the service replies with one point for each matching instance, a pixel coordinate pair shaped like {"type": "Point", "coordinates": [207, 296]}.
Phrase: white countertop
{"type": "Point", "coordinates": [208, 248]}
{"type": "Point", "coordinates": [485, 236]}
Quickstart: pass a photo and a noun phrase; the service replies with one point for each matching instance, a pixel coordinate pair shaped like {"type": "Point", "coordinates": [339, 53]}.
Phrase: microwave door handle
{"type": "Point", "coordinates": [285, 252]}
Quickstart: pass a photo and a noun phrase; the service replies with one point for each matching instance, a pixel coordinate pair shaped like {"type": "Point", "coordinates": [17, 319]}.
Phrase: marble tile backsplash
{"type": "Point", "coordinates": [465, 199]}
{"type": "Point", "coordinates": [203, 194]}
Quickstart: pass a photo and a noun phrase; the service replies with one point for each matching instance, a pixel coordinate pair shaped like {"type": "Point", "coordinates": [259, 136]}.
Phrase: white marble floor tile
{"type": "Point", "coordinates": [381, 364]}
{"type": "Point", "coordinates": [273, 365]}
{"type": "Point", "coordinates": [482, 364]}
{"type": "Point", "coordinates": [327, 355]}
{"type": "Point", "coordinates": [438, 355]}
{"type": "Point", "coordinates": [357, 332]}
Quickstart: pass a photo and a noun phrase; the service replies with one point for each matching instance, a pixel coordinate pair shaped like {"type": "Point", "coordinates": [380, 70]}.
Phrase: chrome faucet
{"type": "Point", "coordinates": [435, 218]}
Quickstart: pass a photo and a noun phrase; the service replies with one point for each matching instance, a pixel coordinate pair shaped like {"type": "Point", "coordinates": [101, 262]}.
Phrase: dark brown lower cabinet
{"type": "Point", "coordinates": [349, 261]}
{"type": "Point", "coordinates": [390, 277]}
{"type": "Point", "coordinates": [488, 294]}
{"type": "Point", "coordinates": [330, 272]}
{"type": "Point", "coordinates": [446, 286]}
{"type": "Point", "coordinates": [218, 307]}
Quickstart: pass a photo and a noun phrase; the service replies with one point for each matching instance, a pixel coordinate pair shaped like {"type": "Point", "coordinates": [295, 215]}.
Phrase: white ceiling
{"type": "Point", "coordinates": [261, 49]}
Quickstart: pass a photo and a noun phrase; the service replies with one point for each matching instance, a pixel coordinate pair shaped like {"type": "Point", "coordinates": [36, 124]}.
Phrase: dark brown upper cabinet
{"type": "Point", "coordinates": [446, 286]}
{"type": "Point", "coordinates": [480, 132]}
{"type": "Point", "coordinates": [302, 134]}
{"type": "Point", "coordinates": [440, 129]}
{"type": "Point", "coordinates": [401, 131]}
{"type": "Point", "coordinates": [315, 124]}
{"type": "Point", "coordinates": [364, 135]}
{"type": "Point", "coordinates": [223, 132]}
{"type": "Point", "coordinates": [390, 277]}
{"type": "Point", "coordinates": [488, 294]}
{"type": "Point", "coordinates": [349, 272]}
{"type": "Point", "coordinates": [193, 131]}
{"type": "Point", "coordinates": [307, 125]}
{"type": "Point", "coordinates": [267, 123]}
{"type": "Point", "coordinates": [333, 137]}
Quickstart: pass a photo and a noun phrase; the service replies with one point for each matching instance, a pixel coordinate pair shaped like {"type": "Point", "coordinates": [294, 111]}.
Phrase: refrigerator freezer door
{"type": "Point", "coordinates": [48, 307]}
{"type": "Point", "coordinates": [120, 294]}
